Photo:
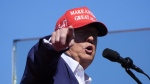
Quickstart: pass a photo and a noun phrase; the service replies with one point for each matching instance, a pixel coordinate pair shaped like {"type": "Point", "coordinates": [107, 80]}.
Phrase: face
{"type": "Point", "coordinates": [84, 48]}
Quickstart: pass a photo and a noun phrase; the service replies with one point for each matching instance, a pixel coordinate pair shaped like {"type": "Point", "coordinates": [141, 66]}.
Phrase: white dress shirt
{"type": "Point", "coordinates": [77, 69]}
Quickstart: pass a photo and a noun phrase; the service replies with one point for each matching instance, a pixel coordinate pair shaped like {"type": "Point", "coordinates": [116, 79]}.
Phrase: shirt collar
{"type": "Point", "coordinates": [73, 65]}
{"type": "Point", "coordinates": [71, 62]}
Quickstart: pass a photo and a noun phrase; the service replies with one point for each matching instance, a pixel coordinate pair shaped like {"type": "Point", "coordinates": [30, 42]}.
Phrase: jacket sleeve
{"type": "Point", "coordinates": [41, 63]}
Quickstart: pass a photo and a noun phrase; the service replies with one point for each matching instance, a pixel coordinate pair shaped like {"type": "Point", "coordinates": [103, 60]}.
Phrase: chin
{"type": "Point", "coordinates": [87, 58]}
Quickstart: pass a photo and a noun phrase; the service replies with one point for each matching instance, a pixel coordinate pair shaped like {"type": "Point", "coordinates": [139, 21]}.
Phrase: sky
{"type": "Point", "coordinates": [20, 19]}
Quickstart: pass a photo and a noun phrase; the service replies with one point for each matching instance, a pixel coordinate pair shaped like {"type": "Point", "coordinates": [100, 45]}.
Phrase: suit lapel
{"type": "Point", "coordinates": [71, 75]}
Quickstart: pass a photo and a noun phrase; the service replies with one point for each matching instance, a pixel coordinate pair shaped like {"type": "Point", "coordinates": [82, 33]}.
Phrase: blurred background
{"type": "Point", "coordinates": [128, 22]}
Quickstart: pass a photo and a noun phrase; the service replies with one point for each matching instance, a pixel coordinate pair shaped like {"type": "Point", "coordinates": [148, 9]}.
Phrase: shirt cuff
{"type": "Point", "coordinates": [47, 42]}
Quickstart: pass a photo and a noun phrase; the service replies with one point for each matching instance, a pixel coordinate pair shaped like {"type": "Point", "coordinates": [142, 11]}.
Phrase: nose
{"type": "Point", "coordinates": [90, 39]}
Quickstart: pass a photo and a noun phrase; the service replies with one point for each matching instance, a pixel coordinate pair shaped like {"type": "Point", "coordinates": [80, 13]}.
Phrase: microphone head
{"type": "Point", "coordinates": [111, 55]}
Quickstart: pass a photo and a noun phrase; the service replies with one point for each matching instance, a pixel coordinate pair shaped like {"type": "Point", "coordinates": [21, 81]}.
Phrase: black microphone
{"type": "Point", "coordinates": [114, 56]}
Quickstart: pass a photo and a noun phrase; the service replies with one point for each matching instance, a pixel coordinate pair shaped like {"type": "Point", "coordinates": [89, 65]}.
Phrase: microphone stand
{"type": "Point", "coordinates": [133, 76]}
{"type": "Point", "coordinates": [127, 67]}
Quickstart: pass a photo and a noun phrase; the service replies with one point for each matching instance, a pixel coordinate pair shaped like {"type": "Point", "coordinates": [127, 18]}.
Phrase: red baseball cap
{"type": "Point", "coordinates": [79, 17]}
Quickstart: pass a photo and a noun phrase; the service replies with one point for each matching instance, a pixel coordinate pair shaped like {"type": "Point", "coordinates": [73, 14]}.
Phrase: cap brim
{"type": "Point", "coordinates": [102, 29]}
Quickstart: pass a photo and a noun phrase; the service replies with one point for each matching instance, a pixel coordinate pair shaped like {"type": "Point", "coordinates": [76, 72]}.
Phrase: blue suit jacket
{"type": "Point", "coordinates": [45, 66]}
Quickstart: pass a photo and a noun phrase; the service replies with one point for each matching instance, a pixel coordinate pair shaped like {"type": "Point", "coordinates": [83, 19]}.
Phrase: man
{"type": "Point", "coordinates": [62, 57]}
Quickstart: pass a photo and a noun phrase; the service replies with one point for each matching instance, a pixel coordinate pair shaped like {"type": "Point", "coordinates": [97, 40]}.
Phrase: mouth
{"type": "Point", "coordinates": [89, 50]}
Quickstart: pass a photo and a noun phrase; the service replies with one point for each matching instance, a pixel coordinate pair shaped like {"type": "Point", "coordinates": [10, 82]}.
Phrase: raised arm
{"type": "Point", "coordinates": [41, 63]}
{"type": "Point", "coordinates": [42, 59]}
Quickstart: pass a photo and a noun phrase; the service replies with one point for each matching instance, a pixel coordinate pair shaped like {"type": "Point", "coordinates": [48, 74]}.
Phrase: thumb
{"type": "Point", "coordinates": [71, 32]}
{"type": "Point", "coordinates": [71, 36]}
